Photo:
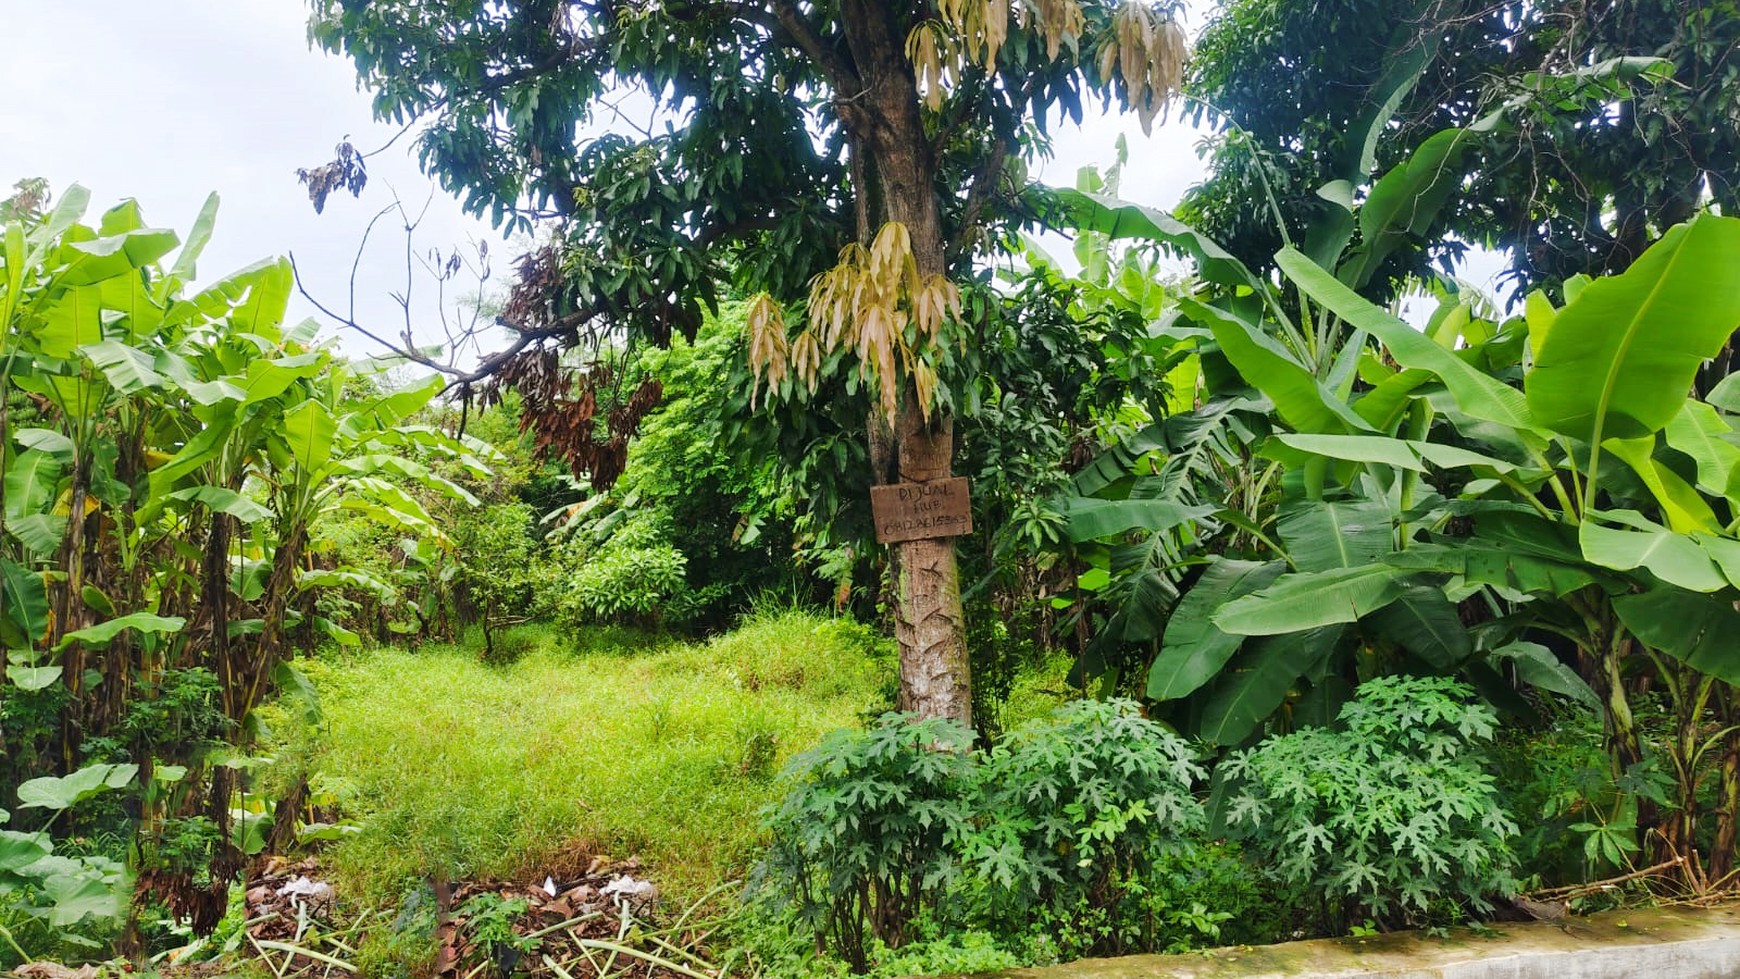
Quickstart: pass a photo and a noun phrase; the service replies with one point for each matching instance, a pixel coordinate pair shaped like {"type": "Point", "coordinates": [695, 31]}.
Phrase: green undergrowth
{"type": "Point", "coordinates": [601, 742]}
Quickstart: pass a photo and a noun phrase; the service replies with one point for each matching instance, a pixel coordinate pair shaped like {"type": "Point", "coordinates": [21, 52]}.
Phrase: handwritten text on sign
{"type": "Point", "coordinates": [916, 511]}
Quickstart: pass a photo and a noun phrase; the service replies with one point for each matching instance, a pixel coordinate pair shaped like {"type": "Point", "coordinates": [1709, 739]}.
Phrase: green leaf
{"type": "Point", "coordinates": [30, 678]}
{"type": "Point", "coordinates": [1192, 650]}
{"type": "Point", "coordinates": [267, 379]}
{"type": "Point", "coordinates": [1674, 558]}
{"type": "Point", "coordinates": [293, 684]}
{"type": "Point", "coordinates": [75, 897]}
{"type": "Point", "coordinates": [1403, 203]}
{"type": "Point", "coordinates": [1697, 630]}
{"type": "Point", "coordinates": [1259, 683]}
{"type": "Point", "coordinates": [128, 369]}
{"type": "Point", "coordinates": [1487, 563]}
{"type": "Point", "coordinates": [1537, 666]}
{"type": "Point", "coordinates": [46, 440]}
{"type": "Point", "coordinates": [1367, 449]}
{"type": "Point", "coordinates": [1090, 519]}
{"type": "Point", "coordinates": [1302, 400]}
{"type": "Point", "coordinates": [1320, 536]}
{"type": "Point", "coordinates": [1622, 355]}
{"type": "Point", "coordinates": [1475, 392]}
{"type": "Point", "coordinates": [1297, 602]}
{"type": "Point", "coordinates": [104, 633]}
{"type": "Point", "coordinates": [219, 499]}
{"type": "Point", "coordinates": [20, 850]}
{"type": "Point", "coordinates": [186, 262]}
{"type": "Point", "coordinates": [205, 446]}
{"type": "Point", "coordinates": [70, 321]}
{"type": "Point", "coordinates": [1726, 394]}
{"type": "Point", "coordinates": [40, 533]}
{"type": "Point", "coordinates": [308, 431]}
{"type": "Point", "coordinates": [1425, 622]}
{"type": "Point", "coordinates": [114, 255]}
{"type": "Point", "coordinates": [1685, 510]}
{"type": "Point", "coordinates": [30, 482]}
{"type": "Point", "coordinates": [1119, 219]}
{"type": "Point", "coordinates": [25, 599]}
{"type": "Point", "coordinates": [1701, 433]}
{"type": "Point", "coordinates": [69, 790]}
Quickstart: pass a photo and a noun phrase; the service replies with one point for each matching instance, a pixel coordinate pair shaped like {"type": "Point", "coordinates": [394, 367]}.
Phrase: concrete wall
{"type": "Point", "coordinates": [1644, 944]}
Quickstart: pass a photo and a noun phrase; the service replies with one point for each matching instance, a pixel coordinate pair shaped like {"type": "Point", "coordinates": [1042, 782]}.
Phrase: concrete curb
{"type": "Point", "coordinates": [1675, 943]}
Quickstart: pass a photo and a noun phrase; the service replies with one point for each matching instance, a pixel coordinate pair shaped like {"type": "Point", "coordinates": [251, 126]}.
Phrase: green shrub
{"type": "Point", "coordinates": [864, 840]}
{"type": "Point", "coordinates": [1393, 813]}
{"type": "Point", "coordinates": [1078, 834]}
{"type": "Point", "coordinates": [629, 583]}
{"type": "Point", "coordinates": [1082, 804]}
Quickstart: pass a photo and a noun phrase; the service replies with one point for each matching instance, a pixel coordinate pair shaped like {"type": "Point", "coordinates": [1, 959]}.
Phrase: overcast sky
{"type": "Point", "coordinates": [167, 101]}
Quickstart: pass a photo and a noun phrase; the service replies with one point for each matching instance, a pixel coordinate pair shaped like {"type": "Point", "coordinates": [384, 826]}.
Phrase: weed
{"type": "Point", "coordinates": [595, 740]}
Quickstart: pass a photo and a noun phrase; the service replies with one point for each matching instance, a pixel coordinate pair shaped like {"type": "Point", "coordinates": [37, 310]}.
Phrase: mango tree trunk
{"type": "Point", "coordinates": [887, 133]}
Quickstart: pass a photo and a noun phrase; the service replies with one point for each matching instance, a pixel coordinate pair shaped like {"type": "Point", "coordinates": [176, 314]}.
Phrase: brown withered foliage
{"type": "Point", "coordinates": [346, 172]}
{"type": "Point", "coordinates": [581, 414]}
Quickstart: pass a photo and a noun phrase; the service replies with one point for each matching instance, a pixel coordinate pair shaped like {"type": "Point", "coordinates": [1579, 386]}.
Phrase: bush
{"type": "Point", "coordinates": [1082, 805]}
{"type": "Point", "coordinates": [1394, 813]}
{"type": "Point", "coordinates": [629, 583]}
{"type": "Point", "coordinates": [619, 570]}
{"type": "Point", "coordinates": [865, 837]}
{"type": "Point", "coordinates": [1081, 825]}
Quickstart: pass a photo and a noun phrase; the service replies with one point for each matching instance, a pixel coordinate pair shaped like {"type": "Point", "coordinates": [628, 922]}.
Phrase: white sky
{"type": "Point", "coordinates": [168, 100]}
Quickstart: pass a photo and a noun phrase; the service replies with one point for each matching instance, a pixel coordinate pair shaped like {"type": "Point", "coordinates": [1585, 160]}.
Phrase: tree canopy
{"type": "Point", "coordinates": [848, 156]}
{"type": "Point", "coordinates": [1565, 188]}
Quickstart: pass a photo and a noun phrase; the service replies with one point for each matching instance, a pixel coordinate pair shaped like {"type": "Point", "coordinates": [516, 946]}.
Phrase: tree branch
{"type": "Point", "coordinates": [810, 41]}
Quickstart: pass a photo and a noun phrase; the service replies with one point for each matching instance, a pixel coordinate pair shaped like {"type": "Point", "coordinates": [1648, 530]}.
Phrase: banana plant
{"type": "Point", "coordinates": [172, 451]}
{"type": "Point", "coordinates": [1603, 494]}
{"type": "Point", "coordinates": [1228, 499]}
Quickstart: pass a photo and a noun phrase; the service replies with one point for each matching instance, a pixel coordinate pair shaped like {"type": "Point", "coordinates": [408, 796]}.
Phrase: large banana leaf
{"type": "Point", "coordinates": [30, 482]}
{"type": "Point", "coordinates": [1260, 680]}
{"type": "Point", "coordinates": [1320, 536]}
{"type": "Point", "coordinates": [104, 633]}
{"type": "Point", "coordinates": [25, 604]}
{"type": "Point", "coordinates": [1698, 630]}
{"type": "Point", "coordinates": [1488, 563]}
{"type": "Point", "coordinates": [308, 431]}
{"type": "Point", "coordinates": [1121, 219]}
{"type": "Point", "coordinates": [1425, 622]}
{"type": "Point", "coordinates": [1193, 651]}
{"type": "Point", "coordinates": [1539, 666]}
{"type": "Point", "coordinates": [1622, 355]}
{"type": "Point", "coordinates": [1297, 602]}
{"type": "Point", "coordinates": [1674, 558]}
{"type": "Point", "coordinates": [1301, 398]}
{"type": "Point", "coordinates": [1090, 519]}
{"type": "Point", "coordinates": [1701, 433]}
{"type": "Point", "coordinates": [1686, 511]}
{"type": "Point", "coordinates": [1477, 393]}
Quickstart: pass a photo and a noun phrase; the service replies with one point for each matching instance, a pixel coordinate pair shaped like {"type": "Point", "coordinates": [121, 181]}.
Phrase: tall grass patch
{"type": "Point", "coordinates": [464, 769]}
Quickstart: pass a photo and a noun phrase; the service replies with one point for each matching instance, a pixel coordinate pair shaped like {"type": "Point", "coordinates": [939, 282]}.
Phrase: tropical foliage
{"type": "Point", "coordinates": [169, 454]}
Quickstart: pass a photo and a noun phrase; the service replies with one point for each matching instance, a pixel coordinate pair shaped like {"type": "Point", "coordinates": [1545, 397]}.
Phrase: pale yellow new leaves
{"type": "Point", "coordinates": [874, 303]}
{"type": "Point", "coordinates": [1148, 50]}
{"type": "Point", "coordinates": [1145, 47]}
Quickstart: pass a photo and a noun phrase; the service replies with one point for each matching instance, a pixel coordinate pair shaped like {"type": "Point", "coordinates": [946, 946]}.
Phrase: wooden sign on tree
{"type": "Point", "coordinates": [920, 511]}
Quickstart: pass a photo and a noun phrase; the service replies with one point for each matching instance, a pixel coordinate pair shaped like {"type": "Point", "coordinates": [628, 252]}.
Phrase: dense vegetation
{"type": "Point", "coordinates": [1284, 614]}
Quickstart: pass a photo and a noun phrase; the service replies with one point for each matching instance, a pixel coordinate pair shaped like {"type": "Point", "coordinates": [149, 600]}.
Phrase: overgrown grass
{"type": "Point", "coordinates": [597, 743]}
